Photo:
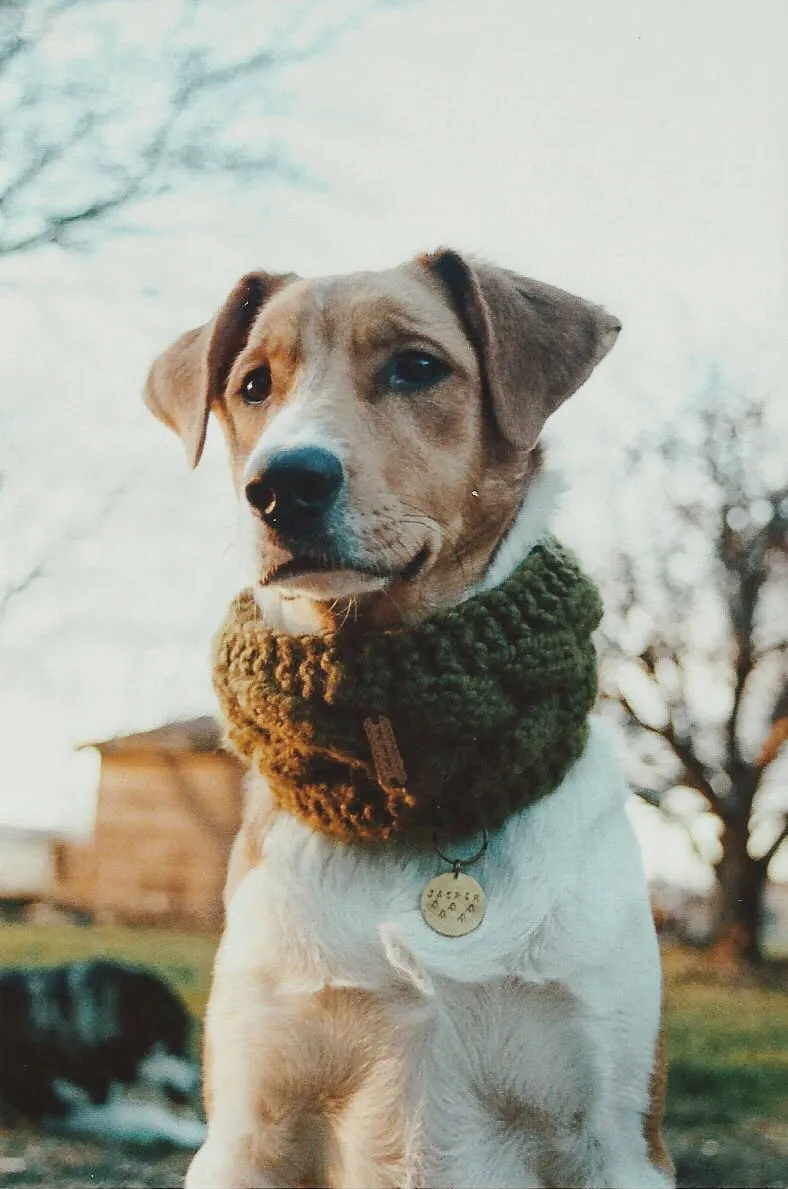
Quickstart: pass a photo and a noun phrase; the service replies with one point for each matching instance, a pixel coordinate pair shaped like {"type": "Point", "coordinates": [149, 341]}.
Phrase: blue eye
{"type": "Point", "coordinates": [412, 371]}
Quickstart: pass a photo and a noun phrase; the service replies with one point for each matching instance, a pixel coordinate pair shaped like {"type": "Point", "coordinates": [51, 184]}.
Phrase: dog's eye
{"type": "Point", "coordinates": [408, 371]}
{"type": "Point", "coordinates": [256, 387]}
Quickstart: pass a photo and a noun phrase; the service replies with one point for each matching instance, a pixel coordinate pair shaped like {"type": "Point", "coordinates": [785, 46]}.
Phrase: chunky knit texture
{"type": "Point", "coordinates": [488, 702]}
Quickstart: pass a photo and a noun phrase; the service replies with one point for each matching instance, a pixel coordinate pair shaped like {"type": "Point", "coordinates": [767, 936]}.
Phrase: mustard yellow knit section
{"type": "Point", "coordinates": [488, 702]}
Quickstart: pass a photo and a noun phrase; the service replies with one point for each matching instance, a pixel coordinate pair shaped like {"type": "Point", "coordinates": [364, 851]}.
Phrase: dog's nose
{"type": "Point", "coordinates": [296, 487]}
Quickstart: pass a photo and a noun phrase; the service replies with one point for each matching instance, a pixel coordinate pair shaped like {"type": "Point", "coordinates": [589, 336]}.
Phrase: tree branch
{"type": "Point", "coordinates": [155, 168]}
{"type": "Point", "coordinates": [41, 568]}
{"type": "Point", "coordinates": [770, 650]}
{"type": "Point", "coordinates": [59, 224]}
{"type": "Point", "coordinates": [17, 588]}
{"type": "Point", "coordinates": [693, 772]}
{"type": "Point", "coordinates": [650, 796]}
{"type": "Point", "coordinates": [773, 849]}
{"type": "Point", "coordinates": [655, 800]}
{"type": "Point", "coordinates": [17, 44]}
{"type": "Point", "coordinates": [773, 744]}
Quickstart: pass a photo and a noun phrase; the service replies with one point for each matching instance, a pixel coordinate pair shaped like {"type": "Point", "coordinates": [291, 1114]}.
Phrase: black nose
{"type": "Point", "coordinates": [296, 487]}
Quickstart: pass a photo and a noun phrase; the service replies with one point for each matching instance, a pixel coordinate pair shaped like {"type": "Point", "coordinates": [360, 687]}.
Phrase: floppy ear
{"type": "Point", "coordinates": [185, 381]}
{"type": "Point", "coordinates": [536, 344]}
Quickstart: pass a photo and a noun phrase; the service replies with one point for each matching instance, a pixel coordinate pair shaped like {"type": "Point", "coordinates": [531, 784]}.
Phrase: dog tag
{"type": "Point", "coordinates": [453, 904]}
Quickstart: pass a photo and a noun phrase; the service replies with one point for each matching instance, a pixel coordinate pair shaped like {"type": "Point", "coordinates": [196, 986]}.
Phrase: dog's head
{"type": "Point", "coordinates": [381, 426]}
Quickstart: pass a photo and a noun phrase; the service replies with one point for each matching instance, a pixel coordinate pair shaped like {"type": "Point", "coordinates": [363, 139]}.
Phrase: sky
{"type": "Point", "coordinates": [632, 152]}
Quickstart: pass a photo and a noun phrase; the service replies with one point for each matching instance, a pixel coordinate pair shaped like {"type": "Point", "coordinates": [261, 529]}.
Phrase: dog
{"type": "Point", "coordinates": [382, 430]}
{"type": "Point", "coordinates": [73, 1032]}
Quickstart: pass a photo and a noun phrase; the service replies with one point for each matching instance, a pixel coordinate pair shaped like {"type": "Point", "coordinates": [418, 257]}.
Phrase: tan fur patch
{"type": "Point", "coordinates": [658, 1085]}
{"type": "Point", "coordinates": [325, 1085]}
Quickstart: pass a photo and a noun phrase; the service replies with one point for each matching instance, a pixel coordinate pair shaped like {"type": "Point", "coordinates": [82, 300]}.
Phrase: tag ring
{"type": "Point", "coordinates": [458, 864]}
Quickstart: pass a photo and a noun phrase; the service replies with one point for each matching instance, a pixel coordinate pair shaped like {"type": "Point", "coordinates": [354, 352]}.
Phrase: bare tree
{"type": "Point", "coordinates": [111, 103]}
{"type": "Point", "coordinates": [696, 657]}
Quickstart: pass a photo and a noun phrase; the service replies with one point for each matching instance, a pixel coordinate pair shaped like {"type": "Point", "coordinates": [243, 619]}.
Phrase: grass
{"type": "Point", "coordinates": [183, 959]}
{"type": "Point", "coordinates": [728, 1090]}
{"type": "Point", "coordinates": [727, 1041]}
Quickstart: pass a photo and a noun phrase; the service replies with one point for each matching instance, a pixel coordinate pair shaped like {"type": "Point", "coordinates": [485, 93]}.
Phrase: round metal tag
{"type": "Point", "coordinates": [453, 904]}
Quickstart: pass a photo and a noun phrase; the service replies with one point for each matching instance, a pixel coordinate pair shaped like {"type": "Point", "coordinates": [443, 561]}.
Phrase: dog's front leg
{"type": "Point", "coordinates": [263, 1125]}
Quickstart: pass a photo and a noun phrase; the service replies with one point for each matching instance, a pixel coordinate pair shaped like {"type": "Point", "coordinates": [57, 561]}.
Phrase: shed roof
{"type": "Point", "coordinates": [201, 734]}
{"type": "Point", "coordinates": [10, 832]}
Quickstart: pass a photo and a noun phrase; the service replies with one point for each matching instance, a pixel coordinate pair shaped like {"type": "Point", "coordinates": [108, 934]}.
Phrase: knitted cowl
{"type": "Point", "coordinates": [488, 702]}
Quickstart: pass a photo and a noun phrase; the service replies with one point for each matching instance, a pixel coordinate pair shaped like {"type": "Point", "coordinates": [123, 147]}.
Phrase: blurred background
{"type": "Point", "coordinates": [151, 151]}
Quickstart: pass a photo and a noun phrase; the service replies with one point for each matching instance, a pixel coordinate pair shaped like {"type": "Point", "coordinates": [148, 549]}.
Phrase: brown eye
{"type": "Point", "coordinates": [412, 371]}
{"type": "Point", "coordinates": [256, 386]}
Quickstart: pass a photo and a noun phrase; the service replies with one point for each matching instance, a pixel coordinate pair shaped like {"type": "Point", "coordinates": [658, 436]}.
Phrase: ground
{"type": "Point", "coordinates": [727, 1040]}
{"type": "Point", "coordinates": [38, 1161]}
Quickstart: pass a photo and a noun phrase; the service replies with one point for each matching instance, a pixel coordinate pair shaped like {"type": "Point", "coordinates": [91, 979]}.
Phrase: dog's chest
{"type": "Point", "coordinates": [325, 914]}
{"type": "Point", "coordinates": [322, 913]}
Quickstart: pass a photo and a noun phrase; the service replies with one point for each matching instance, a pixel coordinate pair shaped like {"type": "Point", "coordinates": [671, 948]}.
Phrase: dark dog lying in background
{"type": "Point", "coordinates": [73, 1032]}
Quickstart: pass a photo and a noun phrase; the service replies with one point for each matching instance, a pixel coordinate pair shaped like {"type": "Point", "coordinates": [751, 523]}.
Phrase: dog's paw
{"type": "Point", "coordinates": [217, 1167]}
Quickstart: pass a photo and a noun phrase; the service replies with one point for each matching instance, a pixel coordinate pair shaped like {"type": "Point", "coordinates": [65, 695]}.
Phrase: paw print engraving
{"type": "Point", "coordinates": [453, 904]}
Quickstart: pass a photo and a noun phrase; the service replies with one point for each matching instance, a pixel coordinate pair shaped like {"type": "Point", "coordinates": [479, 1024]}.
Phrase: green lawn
{"type": "Point", "coordinates": [728, 1088]}
{"type": "Point", "coordinates": [727, 1042]}
{"type": "Point", "coordinates": [183, 959]}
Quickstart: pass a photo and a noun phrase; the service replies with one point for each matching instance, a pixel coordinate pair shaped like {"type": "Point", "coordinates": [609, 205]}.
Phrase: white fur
{"type": "Point", "coordinates": [530, 525]}
{"type": "Point", "coordinates": [301, 422]}
{"type": "Point", "coordinates": [518, 1055]}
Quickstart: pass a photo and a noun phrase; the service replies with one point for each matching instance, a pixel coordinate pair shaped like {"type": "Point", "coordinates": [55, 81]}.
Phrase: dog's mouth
{"type": "Point", "coordinates": [325, 576]}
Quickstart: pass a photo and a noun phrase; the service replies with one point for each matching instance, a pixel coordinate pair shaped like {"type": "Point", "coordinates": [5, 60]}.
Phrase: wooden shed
{"type": "Point", "coordinates": [169, 805]}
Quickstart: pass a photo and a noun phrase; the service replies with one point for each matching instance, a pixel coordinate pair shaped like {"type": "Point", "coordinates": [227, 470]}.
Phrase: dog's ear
{"type": "Point", "coordinates": [536, 344]}
{"type": "Point", "coordinates": [190, 375]}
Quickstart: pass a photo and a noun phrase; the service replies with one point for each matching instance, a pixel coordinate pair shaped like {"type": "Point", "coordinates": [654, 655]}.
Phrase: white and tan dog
{"type": "Point", "coordinates": [382, 431]}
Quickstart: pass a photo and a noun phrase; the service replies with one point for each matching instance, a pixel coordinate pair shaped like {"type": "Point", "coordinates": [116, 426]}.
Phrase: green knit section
{"type": "Point", "coordinates": [488, 701]}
